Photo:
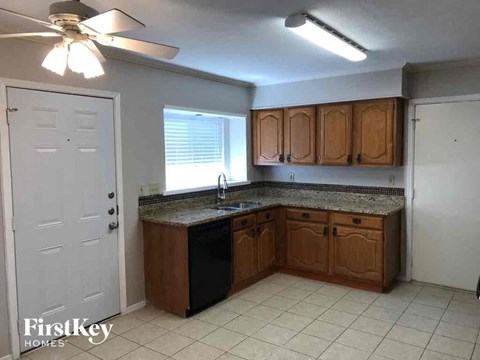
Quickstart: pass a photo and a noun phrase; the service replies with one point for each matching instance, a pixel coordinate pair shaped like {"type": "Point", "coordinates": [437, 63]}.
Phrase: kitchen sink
{"type": "Point", "coordinates": [236, 206]}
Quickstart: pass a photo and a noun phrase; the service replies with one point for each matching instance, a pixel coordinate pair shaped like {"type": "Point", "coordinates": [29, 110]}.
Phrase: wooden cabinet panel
{"type": "Point", "coordinates": [307, 246]}
{"type": "Point", "coordinates": [374, 131]}
{"type": "Point", "coordinates": [268, 137]}
{"type": "Point", "coordinates": [334, 134]}
{"type": "Point", "coordinates": [244, 259]}
{"type": "Point", "coordinates": [265, 216]}
{"type": "Point", "coordinates": [307, 215]}
{"type": "Point", "coordinates": [300, 135]}
{"type": "Point", "coordinates": [266, 246]}
{"type": "Point", "coordinates": [358, 253]}
{"type": "Point", "coordinates": [243, 222]}
{"type": "Point", "coordinates": [358, 220]}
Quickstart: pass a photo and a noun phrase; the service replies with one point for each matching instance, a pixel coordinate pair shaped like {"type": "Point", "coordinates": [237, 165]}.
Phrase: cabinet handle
{"type": "Point", "coordinates": [306, 215]}
{"type": "Point", "coordinates": [325, 230]}
{"type": "Point", "coordinates": [289, 157]}
{"type": "Point", "coordinates": [281, 158]}
{"type": "Point", "coordinates": [359, 158]}
{"type": "Point", "coordinates": [334, 231]}
{"type": "Point", "coordinates": [244, 222]}
{"type": "Point", "coordinates": [357, 221]}
{"type": "Point", "coordinates": [267, 216]}
{"type": "Point", "coordinates": [349, 159]}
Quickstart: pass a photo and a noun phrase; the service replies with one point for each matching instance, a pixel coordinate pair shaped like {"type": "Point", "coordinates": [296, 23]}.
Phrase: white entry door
{"type": "Point", "coordinates": [63, 176]}
{"type": "Point", "coordinates": [446, 205]}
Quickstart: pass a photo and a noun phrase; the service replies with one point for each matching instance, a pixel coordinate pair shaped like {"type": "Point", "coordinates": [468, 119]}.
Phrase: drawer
{"type": "Point", "coordinates": [361, 221]}
{"type": "Point", "coordinates": [243, 222]}
{"type": "Point", "coordinates": [265, 216]}
{"type": "Point", "coordinates": [307, 215]}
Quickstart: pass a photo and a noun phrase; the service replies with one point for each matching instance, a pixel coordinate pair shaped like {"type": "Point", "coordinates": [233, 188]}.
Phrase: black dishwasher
{"type": "Point", "coordinates": [210, 264]}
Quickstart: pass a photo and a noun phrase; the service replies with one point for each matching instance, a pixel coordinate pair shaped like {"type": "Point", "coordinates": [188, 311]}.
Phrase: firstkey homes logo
{"type": "Point", "coordinates": [36, 328]}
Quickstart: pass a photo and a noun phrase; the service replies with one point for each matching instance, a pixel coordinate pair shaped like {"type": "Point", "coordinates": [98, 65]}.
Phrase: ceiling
{"type": "Point", "coordinates": [246, 39]}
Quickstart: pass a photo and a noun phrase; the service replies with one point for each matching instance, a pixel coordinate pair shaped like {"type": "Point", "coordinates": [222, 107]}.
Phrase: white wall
{"type": "Point", "coordinates": [144, 92]}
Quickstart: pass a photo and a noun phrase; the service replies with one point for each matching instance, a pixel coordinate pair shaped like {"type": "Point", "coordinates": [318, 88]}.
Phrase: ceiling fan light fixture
{"type": "Point", "coordinates": [322, 35]}
{"type": "Point", "coordinates": [82, 60]}
{"type": "Point", "coordinates": [56, 60]}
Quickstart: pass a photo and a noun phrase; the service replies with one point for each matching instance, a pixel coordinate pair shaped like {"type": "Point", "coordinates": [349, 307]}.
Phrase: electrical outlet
{"type": "Point", "coordinates": [154, 188]}
{"type": "Point", "coordinates": [291, 177]}
{"type": "Point", "coordinates": [141, 190]}
{"type": "Point", "coordinates": [391, 180]}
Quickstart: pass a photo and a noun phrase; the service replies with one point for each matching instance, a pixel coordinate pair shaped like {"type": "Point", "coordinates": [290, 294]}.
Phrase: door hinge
{"type": "Point", "coordinates": [19, 327]}
{"type": "Point", "coordinates": [13, 223]}
{"type": "Point", "coordinates": [413, 194]}
{"type": "Point", "coordinates": [415, 121]}
{"type": "Point", "coordinates": [10, 110]}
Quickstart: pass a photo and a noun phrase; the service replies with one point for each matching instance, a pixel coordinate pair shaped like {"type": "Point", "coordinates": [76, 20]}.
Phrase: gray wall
{"type": "Point", "coordinates": [144, 91]}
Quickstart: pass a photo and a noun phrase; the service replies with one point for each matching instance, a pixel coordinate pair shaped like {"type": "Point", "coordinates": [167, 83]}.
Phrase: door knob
{"type": "Point", "coordinates": [113, 226]}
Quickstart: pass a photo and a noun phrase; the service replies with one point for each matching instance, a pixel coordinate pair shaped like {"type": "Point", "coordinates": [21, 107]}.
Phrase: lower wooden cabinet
{"type": "Point", "coordinates": [244, 250]}
{"type": "Point", "coordinates": [307, 246]}
{"type": "Point", "coordinates": [266, 246]}
{"type": "Point", "coordinates": [358, 253]}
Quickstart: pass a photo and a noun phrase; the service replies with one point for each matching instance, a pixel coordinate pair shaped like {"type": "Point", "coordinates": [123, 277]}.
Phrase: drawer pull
{"type": "Point", "coordinates": [306, 215]}
{"type": "Point", "coordinates": [244, 222]}
{"type": "Point", "coordinates": [325, 230]}
{"type": "Point", "coordinates": [334, 231]}
{"type": "Point", "coordinates": [357, 221]}
{"type": "Point", "coordinates": [267, 216]}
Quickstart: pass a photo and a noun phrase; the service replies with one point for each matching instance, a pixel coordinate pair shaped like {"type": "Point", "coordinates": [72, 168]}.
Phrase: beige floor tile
{"type": "Point", "coordinates": [418, 322]}
{"type": "Point", "coordinates": [463, 319]}
{"type": "Point", "coordinates": [452, 347]}
{"type": "Point", "coordinates": [294, 293]}
{"type": "Point", "coordinates": [308, 345]}
{"type": "Point", "coordinates": [342, 352]}
{"type": "Point", "coordinates": [253, 349]}
{"type": "Point", "coordinates": [352, 307]}
{"type": "Point", "coordinates": [148, 313]}
{"type": "Point", "coordinates": [195, 329]}
{"type": "Point", "coordinates": [113, 349]}
{"type": "Point", "coordinates": [381, 313]}
{"type": "Point", "coordinates": [430, 312]}
{"type": "Point", "coordinates": [238, 306]}
{"type": "Point", "coordinates": [280, 303]}
{"type": "Point", "coordinates": [169, 321]}
{"type": "Point", "coordinates": [433, 355]}
{"type": "Point", "coordinates": [457, 331]}
{"type": "Point", "coordinates": [338, 318]}
{"type": "Point", "coordinates": [255, 296]}
{"type": "Point", "coordinates": [409, 336]}
{"type": "Point", "coordinates": [144, 333]}
{"type": "Point", "coordinates": [274, 334]}
{"type": "Point", "coordinates": [85, 356]}
{"type": "Point", "coordinates": [124, 323]}
{"type": "Point", "coordinates": [229, 357]}
{"type": "Point", "coordinates": [223, 339]}
{"type": "Point", "coordinates": [321, 300]}
{"type": "Point", "coordinates": [309, 285]}
{"type": "Point", "coordinates": [308, 310]}
{"type": "Point", "coordinates": [433, 297]}
{"type": "Point", "coordinates": [324, 330]}
{"type": "Point", "coordinates": [377, 357]}
{"type": "Point", "coordinates": [83, 343]}
{"type": "Point", "coordinates": [285, 354]}
{"type": "Point", "coordinates": [365, 297]}
{"type": "Point", "coordinates": [466, 297]}
{"type": "Point", "coordinates": [217, 316]}
{"type": "Point", "coordinates": [54, 353]}
{"type": "Point", "coordinates": [372, 326]}
{"type": "Point", "coordinates": [437, 291]}
{"type": "Point", "coordinates": [392, 302]}
{"type": "Point", "coordinates": [292, 321]}
{"type": "Point", "coordinates": [476, 353]}
{"type": "Point", "coordinates": [283, 279]}
{"type": "Point", "coordinates": [334, 291]}
{"type": "Point", "coordinates": [398, 351]}
{"type": "Point", "coordinates": [198, 351]}
{"type": "Point", "coordinates": [170, 343]}
{"type": "Point", "coordinates": [142, 353]}
{"type": "Point", "coordinates": [245, 325]}
{"type": "Point", "coordinates": [468, 308]}
{"type": "Point", "coordinates": [359, 340]}
{"type": "Point", "coordinates": [264, 313]}
{"type": "Point", "coordinates": [269, 287]}
{"type": "Point", "coordinates": [406, 290]}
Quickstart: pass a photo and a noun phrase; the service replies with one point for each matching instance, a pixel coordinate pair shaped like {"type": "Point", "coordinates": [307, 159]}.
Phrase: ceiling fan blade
{"type": "Point", "coordinates": [112, 21]}
{"type": "Point", "coordinates": [38, 21]}
{"type": "Point", "coordinates": [20, 35]}
{"type": "Point", "coordinates": [94, 49]}
{"type": "Point", "coordinates": [139, 46]}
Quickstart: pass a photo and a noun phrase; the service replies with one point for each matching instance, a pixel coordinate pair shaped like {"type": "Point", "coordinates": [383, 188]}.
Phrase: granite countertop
{"type": "Point", "coordinates": [190, 216]}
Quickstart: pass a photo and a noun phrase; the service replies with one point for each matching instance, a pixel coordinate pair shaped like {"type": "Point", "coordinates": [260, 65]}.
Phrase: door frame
{"type": "Point", "coordinates": [410, 172]}
{"type": "Point", "coordinates": [7, 194]}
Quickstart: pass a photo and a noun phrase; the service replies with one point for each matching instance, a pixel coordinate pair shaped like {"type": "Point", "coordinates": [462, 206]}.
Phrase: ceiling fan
{"type": "Point", "coordinates": [80, 25]}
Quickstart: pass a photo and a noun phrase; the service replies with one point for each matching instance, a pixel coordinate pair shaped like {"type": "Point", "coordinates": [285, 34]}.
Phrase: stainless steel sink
{"type": "Point", "coordinates": [236, 206]}
{"type": "Point", "coordinates": [225, 208]}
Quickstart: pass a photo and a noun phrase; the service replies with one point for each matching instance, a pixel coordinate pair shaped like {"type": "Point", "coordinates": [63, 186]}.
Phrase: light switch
{"type": "Point", "coordinates": [291, 177]}
{"type": "Point", "coordinates": [141, 190]}
{"type": "Point", "coordinates": [391, 180]}
{"type": "Point", "coordinates": [154, 188]}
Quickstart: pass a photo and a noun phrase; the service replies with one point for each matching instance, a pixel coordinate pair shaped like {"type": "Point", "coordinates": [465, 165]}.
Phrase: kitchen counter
{"type": "Point", "coordinates": [190, 215]}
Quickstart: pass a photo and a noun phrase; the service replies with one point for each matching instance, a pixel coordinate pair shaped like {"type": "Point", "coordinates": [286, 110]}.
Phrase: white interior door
{"type": "Point", "coordinates": [446, 206]}
{"type": "Point", "coordinates": [63, 168]}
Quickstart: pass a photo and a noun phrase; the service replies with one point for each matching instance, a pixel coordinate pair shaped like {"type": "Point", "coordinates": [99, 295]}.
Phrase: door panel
{"type": "Point", "coordinates": [266, 246]}
{"type": "Point", "coordinates": [357, 253]}
{"type": "Point", "coordinates": [268, 137]}
{"type": "Point", "coordinates": [307, 246]}
{"type": "Point", "coordinates": [334, 130]}
{"type": "Point", "coordinates": [63, 166]}
{"type": "Point", "coordinates": [244, 255]}
{"type": "Point", "coordinates": [300, 135]}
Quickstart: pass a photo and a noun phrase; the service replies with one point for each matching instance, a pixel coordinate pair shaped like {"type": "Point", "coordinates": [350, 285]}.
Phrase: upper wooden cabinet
{"type": "Point", "coordinates": [267, 137]}
{"type": "Point", "coordinates": [300, 135]}
{"type": "Point", "coordinates": [334, 134]}
{"type": "Point", "coordinates": [378, 132]}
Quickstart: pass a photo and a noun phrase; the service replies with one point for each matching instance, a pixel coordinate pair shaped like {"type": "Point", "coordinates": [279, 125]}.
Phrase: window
{"type": "Point", "coordinates": [198, 146]}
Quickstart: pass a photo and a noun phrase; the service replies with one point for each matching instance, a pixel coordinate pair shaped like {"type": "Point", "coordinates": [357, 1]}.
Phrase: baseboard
{"type": "Point", "coordinates": [133, 308]}
{"type": "Point", "coordinates": [6, 357]}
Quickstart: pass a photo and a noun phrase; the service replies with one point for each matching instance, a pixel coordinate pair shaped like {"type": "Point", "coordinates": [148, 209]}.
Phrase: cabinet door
{"type": "Point", "coordinates": [307, 246]}
{"type": "Point", "coordinates": [374, 132]}
{"type": "Point", "coordinates": [300, 135]}
{"type": "Point", "coordinates": [358, 253]}
{"type": "Point", "coordinates": [268, 137]}
{"type": "Point", "coordinates": [244, 259]}
{"type": "Point", "coordinates": [266, 246]}
{"type": "Point", "coordinates": [334, 134]}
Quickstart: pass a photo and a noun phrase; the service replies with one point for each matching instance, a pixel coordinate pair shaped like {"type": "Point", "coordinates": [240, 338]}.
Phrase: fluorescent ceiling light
{"type": "Point", "coordinates": [313, 30]}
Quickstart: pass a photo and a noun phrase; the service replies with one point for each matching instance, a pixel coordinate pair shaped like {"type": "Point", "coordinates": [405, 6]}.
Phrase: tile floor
{"type": "Point", "coordinates": [289, 318]}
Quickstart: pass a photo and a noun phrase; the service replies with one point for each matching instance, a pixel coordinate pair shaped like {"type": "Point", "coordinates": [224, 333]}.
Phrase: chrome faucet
{"type": "Point", "coordinates": [221, 195]}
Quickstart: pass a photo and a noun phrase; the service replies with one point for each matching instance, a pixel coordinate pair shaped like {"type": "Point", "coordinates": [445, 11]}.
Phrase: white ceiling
{"type": "Point", "coordinates": [246, 39]}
